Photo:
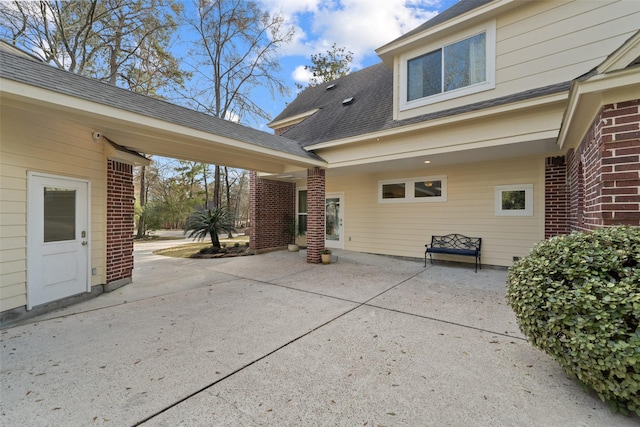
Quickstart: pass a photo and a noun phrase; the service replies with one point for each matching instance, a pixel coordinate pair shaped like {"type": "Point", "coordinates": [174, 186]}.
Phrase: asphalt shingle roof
{"type": "Point", "coordinates": [371, 110]}
{"type": "Point", "coordinates": [23, 69]}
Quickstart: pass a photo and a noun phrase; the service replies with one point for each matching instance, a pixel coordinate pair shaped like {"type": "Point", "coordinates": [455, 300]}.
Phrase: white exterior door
{"type": "Point", "coordinates": [334, 212]}
{"type": "Point", "coordinates": [58, 244]}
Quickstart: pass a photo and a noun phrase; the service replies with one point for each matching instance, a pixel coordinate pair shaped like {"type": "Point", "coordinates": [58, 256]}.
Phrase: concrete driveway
{"type": "Point", "coordinates": [271, 340]}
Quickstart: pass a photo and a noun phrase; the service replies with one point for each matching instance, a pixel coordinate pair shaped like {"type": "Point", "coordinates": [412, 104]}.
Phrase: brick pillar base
{"type": "Point", "coordinates": [119, 224]}
{"type": "Point", "coordinates": [315, 214]}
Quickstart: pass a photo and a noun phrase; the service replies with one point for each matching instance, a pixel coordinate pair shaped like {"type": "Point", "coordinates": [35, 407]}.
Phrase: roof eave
{"type": "Point", "coordinates": [402, 44]}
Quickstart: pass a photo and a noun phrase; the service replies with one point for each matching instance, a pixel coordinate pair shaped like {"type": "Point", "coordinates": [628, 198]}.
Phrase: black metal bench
{"type": "Point", "coordinates": [454, 244]}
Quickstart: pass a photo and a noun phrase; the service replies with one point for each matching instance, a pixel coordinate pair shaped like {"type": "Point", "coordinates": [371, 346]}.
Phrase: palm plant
{"type": "Point", "coordinates": [210, 222]}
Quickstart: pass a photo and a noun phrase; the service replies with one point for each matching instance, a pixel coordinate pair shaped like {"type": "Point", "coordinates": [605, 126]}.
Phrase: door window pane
{"type": "Point", "coordinates": [332, 219]}
{"type": "Point", "coordinates": [59, 214]}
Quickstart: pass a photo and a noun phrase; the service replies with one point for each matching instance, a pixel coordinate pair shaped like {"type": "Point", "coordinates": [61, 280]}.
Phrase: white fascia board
{"type": "Point", "coordinates": [86, 108]}
{"type": "Point", "coordinates": [622, 57]}
{"type": "Point", "coordinates": [292, 119]}
{"type": "Point", "coordinates": [587, 97]}
{"type": "Point", "coordinates": [514, 139]}
{"type": "Point", "coordinates": [458, 20]}
{"type": "Point", "coordinates": [485, 112]}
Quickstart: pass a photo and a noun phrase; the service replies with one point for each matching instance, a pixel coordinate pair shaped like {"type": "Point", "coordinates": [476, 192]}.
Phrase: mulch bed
{"type": "Point", "coordinates": [228, 252]}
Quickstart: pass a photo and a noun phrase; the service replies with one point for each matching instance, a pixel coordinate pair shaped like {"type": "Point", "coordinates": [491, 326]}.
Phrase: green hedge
{"type": "Point", "coordinates": [577, 298]}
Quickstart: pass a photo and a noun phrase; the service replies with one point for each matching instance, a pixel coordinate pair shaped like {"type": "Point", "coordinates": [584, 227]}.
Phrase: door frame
{"type": "Point", "coordinates": [335, 244]}
{"type": "Point", "coordinates": [32, 221]}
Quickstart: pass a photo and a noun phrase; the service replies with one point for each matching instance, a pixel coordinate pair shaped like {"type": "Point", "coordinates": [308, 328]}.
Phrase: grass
{"type": "Point", "coordinates": [188, 249]}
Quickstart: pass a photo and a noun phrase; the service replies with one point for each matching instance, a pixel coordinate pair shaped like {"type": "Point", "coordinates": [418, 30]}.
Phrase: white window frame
{"type": "Point", "coordinates": [490, 61]}
{"type": "Point", "coordinates": [409, 196]}
{"type": "Point", "coordinates": [528, 200]}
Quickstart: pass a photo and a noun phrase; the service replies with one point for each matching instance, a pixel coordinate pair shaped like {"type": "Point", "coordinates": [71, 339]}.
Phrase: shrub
{"type": "Point", "coordinates": [577, 298]}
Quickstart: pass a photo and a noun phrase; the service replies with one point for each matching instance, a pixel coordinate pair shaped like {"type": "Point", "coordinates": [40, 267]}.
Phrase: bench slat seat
{"type": "Point", "coordinates": [454, 244]}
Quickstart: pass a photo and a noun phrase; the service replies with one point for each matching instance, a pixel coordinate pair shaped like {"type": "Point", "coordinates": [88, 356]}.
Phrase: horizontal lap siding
{"type": "Point", "coordinates": [552, 42]}
{"type": "Point", "coordinates": [31, 141]}
{"type": "Point", "coordinates": [541, 43]}
{"type": "Point", "coordinates": [402, 229]}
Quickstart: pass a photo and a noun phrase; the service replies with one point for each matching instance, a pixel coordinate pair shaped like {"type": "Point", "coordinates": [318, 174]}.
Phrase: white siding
{"type": "Point", "coordinates": [30, 141]}
{"type": "Point", "coordinates": [403, 229]}
{"type": "Point", "coordinates": [540, 43]}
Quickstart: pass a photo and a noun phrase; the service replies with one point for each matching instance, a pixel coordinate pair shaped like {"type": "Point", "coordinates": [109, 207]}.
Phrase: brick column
{"type": "Point", "coordinates": [620, 193]}
{"type": "Point", "coordinates": [315, 214]}
{"type": "Point", "coordinates": [270, 204]}
{"type": "Point", "coordinates": [120, 196]}
{"type": "Point", "coordinates": [604, 171]}
{"type": "Point", "coordinates": [555, 197]}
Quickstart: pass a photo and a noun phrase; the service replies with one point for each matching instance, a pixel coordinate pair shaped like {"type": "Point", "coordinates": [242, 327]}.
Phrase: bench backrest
{"type": "Point", "coordinates": [456, 241]}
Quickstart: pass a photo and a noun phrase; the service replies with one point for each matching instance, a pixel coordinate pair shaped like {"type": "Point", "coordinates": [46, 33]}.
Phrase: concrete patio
{"type": "Point", "coordinates": [271, 340]}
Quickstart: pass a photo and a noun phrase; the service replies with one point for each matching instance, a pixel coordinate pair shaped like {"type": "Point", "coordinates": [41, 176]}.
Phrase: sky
{"type": "Point", "coordinates": [360, 26]}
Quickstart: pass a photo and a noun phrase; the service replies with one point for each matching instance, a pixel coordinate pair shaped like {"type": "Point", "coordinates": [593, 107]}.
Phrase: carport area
{"type": "Point", "coordinates": [273, 340]}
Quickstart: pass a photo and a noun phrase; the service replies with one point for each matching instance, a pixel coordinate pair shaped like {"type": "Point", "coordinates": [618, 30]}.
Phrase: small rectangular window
{"type": "Point", "coordinates": [514, 200]}
{"type": "Point", "coordinates": [393, 191]}
{"type": "Point", "coordinates": [422, 189]}
{"type": "Point", "coordinates": [428, 188]}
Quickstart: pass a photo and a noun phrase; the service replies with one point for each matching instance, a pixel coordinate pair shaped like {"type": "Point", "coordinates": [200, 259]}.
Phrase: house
{"type": "Point", "coordinates": [503, 119]}
{"type": "Point", "coordinates": [513, 121]}
{"type": "Point", "coordinates": [68, 145]}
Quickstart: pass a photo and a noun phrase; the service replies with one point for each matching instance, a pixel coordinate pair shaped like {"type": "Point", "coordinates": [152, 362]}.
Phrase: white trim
{"type": "Point", "coordinates": [409, 196]}
{"type": "Point", "coordinates": [335, 244]}
{"type": "Point", "coordinates": [489, 28]}
{"type": "Point", "coordinates": [528, 200]}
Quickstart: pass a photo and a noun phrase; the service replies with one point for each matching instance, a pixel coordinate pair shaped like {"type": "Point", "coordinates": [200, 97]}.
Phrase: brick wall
{"type": "Point", "coordinates": [120, 225]}
{"type": "Point", "coordinates": [604, 172]}
{"type": "Point", "coordinates": [315, 214]}
{"type": "Point", "coordinates": [271, 202]}
{"type": "Point", "coordinates": [556, 197]}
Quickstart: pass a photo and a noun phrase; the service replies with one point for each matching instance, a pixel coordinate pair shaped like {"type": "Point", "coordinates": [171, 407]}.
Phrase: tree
{"type": "Point", "coordinates": [209, 222]}
{"type": "Point", "coordinates": [235, 52]}
{"type": "Point", "coordinates": [122, 42]}
{"type": "Point", "coordinates": [333, 65]}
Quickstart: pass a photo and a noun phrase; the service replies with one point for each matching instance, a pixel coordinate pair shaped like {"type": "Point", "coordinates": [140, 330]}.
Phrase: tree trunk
{"type": "Point", "coordinates": [143, 201]}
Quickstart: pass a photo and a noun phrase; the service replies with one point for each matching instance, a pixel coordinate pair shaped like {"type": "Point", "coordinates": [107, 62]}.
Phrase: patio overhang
{"type": "Point", "coordinates": [154, 136]}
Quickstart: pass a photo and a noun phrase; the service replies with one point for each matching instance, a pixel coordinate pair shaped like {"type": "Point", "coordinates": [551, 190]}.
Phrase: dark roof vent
{"type": "Point", "coordinates": [347, 101]}
{"type": "Point", "coordinates": [331, 86]}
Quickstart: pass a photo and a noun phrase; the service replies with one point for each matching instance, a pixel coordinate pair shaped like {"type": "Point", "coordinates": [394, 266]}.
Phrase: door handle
{"type": "Point", "coordinates": [85, 243]}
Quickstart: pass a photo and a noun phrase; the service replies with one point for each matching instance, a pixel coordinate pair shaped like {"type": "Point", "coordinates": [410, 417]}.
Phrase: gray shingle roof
{"type": "Point", "coordinates": [372, 92]}
{"type": "Point", "coordinates": [39, 74]}
{"type": "Point", "coordinates": [371, 110]}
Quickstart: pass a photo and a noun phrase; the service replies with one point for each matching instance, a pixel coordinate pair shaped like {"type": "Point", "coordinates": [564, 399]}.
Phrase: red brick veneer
{"type": "Point", "coordinates": [604, 171]}
{"type": "Point", "coordinates": [315, 214]}
{"type": "Point", "coordinates": [271, 202]}
{"type": "Point", "coordinates": [556, 197]}
{"type": "Point", "coordinates": [119, 221]}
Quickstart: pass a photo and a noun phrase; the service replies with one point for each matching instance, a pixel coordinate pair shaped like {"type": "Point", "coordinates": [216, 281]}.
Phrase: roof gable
{"type": "Point", "coordinates": [22, 69]}
{"type": "Point", "coordinates": [369, 110]}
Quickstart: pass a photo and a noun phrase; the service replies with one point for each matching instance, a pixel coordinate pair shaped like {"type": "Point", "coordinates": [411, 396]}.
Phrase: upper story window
{"type": "Point", "coordinates": [455, 67]}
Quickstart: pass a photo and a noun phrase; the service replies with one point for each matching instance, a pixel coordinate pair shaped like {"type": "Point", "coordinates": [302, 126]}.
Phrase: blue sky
{"type": "Point", "coordinates": [360, 26]}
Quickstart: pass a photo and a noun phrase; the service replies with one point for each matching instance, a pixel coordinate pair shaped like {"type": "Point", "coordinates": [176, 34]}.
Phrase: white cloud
{"type": "Point", "coordinates": [359, 25]}
{"type": "Point", "coordinates": [300, 75]}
